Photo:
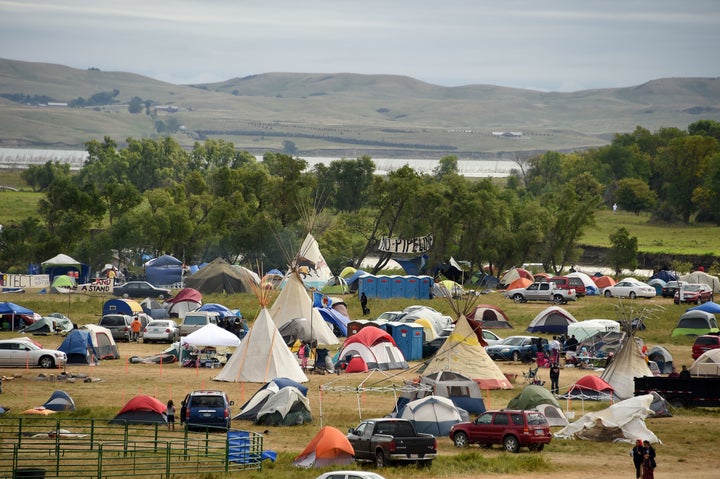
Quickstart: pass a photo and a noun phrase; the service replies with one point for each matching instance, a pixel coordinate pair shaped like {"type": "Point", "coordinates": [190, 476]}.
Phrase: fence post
{"type": "Point", "coordinates": [100, 461]}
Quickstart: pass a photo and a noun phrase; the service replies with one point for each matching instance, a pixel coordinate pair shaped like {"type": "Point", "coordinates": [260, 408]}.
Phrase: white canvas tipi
{"type": "Point", "coordinates": [463, 353]}
{"type": "Point", "coordinates": [262, 355]}
{"type": "Point", "coordinates": [311, 265]}
{"type": "Point", "coordinates": [294, 302]}
{"type": "Point", "coordinates": [628, 363]}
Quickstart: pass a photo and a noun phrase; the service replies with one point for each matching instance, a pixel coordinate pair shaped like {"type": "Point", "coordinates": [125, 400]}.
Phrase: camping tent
{"type": "Point", "coordinates": [329, 447]}
{"type": "Point", "coordinates": [589, 327]}
{"type": "Point", "coordinates": [102, 340]}
{"type": "Point", "coordinates": [463, 354]}
{"type": "Point", "coordinates": [262, 356]}
{"type": "Point", "coordinates": [79, 348]}
{"type": "Point", "coordinates": [490, 317]}
{"type": "Point", "coordinates": [621, 422]}
{"type": "Point", "coordinates": [211, 335]}
{"type": "Point", "coordinates": [219, 276]}
{"type": "Point", "coordinates": [154, 309]}
{"type": "Point", "coordinates": [250, 409]}
{"type": "Point", "coordinates": [709, 307]}
{"type": "Point", "coordinates": [531, 396]}
{"type": "Point", "coordinates": [519, 283]}
{"type": "Point", "coordinates": [515, 273]}
{"type": "Point", "coordinates": [187, 299]}
{"type": "Point", "coordinates": [591, 288]}
{"type": "Point", "coordinates": [62, 264]}
{"type": "Point", "coordinates": [293, 304]}
{"type": "Point", "coordinates": [62, 284]}
{"type": "Point", "coordinates": [311, 265]}
{"type": "Point", "coordinates": [433, 415]}
{"type": "Point", "coordinates": [376, 348]}
{"type": "Point", "coordinates": [554, 415]}
{"type": "Point", "coordinates": [707, 364]}
{"type": "Point", "coordinates": [628, 363]}
{"type": "Point", "coordinates": [704, 278]}
{"type": "Point", "coordinates": [448, 289]}
{"type": "Point", "coordinates": [54, 323]}
{"type": "Point", "coordinates": [60, 401]}
{"type": "Point", "coordinates": [288, 407]}
{"type": "Point", "coordinates": [165, 270]}
{"type": "Point", "coordinates": [553, 319]}
{"type": "Point", "coordinates": [695, 323]}
{"type": "Point", "coordinates": [142, 410]}
{"type": "Point", "coordinates": [590, 387]}
{"type": "Point", "coordinates": [658, 284]}
{"type": "Point", "coordinates": [603, 282]}
{"type": "Point", "coordinates": [662, 358]}
{"type": "Point", "coordinates": [460, 389]}
{"type": "Point", "coordinates": [121, 306]}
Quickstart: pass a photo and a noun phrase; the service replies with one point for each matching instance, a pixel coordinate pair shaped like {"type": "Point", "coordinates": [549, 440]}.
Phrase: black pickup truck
{"type": "Point", "coordinates": [697, 391]}
{"type": "Point", "coordinates": [385, 440]}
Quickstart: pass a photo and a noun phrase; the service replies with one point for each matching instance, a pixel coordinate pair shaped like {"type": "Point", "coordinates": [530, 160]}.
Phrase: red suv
{"type": "Point", "coordinates": [569, 282]}
{"type": "Point", "coordinates": [693, 293]}
{"type": "Point", "coordinates": [704, 343]}
{"type": "Point", "coordinates": [511, 428]}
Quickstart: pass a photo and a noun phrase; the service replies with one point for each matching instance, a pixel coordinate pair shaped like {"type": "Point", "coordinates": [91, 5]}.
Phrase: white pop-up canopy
{"type": "Point", "coordinates": [211, 335]}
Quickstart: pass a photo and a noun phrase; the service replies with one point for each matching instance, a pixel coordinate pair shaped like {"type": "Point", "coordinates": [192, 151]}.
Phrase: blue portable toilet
{"type": "Point", "coordinates": [367, 284]}
{"type": "Point", "coordinates": [384, 287]}
{"type": "Point", "coordinates": [425, 287]}
{"type": "Point", "coordinates": [411, 287]}
{"type": "Point", "coordinates": [397, 286]}
{"type": "Point", "coordinates": [408, 337]}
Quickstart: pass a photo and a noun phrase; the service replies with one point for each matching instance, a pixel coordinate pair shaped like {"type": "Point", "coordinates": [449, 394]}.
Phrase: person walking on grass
{"type": "Point", "coordinates": [136, 326]}
{"type": "Point", "coordinates": [171, 414]}
{"type": "Point", "coordinates": [638, 455]}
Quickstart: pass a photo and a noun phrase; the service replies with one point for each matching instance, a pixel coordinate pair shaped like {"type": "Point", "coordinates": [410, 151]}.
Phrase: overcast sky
{"type": "Point", "coordinates": [541, 44]}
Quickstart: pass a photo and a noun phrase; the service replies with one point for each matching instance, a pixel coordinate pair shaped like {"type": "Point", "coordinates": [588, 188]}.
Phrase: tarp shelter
{"type": "Point", "coordinates": [187, 299]}
{"type": "Point", "coordinates": [165, 270]}
{"type": "Point", "coordinates": [707, 364]}
{"type": "Point", "coordinates": [704, 278]}
{"type": "Point", "coordinates": [79, 348]}
{"type": "Point", "coordinates": [460, 389]}
{"type": "Point", "coordinates": [12, 313]}
{"type": "Point", "coordinates": [62, 284]}
{"type": "Point", "coordinates": [433, 415]}
{"type": "Point", "coordinates": [376, 348]}
{"type": "Point", "coordinates": [287, 407]}
{"type": "Point", "coordinates": [709, 307]}
{"type": "Point", "coordinates": [414, 266]}
{"type": "Point", "coordinates": [262, 356]}
{"type": "Point", "coordinates": [154, 309]}
{"type": "Point", "coordinates": [490, 317]}
{"type": "Point", "coordinates": [54, 323]}
{"type": "Point", "coordinates": [590, 327]}
{"type": "Point", "coordinates": [665, 275]}
{"type": "Point", "coordinates": [463, 353]}
{"type": "Point", "coordinates": [60, 401]}
{"type": "Point", "coordinates": [219, 276]}
{"type": "Point", "coordinates": [590, 387]}
{"type": "Point", "coordinates": [329, 447]}
{"type": "Point", "coordinates": [531, 396]}
{"type": "Point", "coordinates": [553, 319]}
{"type": "Point", "coordinates": [62, 264]}
{"type": "Point", "coordinates": [695, 323]}
{"type": "Point", "coordinates": [662, 358]}
{"type": "Point", "coordinates": [121, 306]}
{"type": "Point", "coordinates": [211, 335]}
{"type": "Point", "coordinates": [102, 340]}
{"type": "Point", "coordinates": [621, 422]}
{"type": "Point", "coordinates": [250, 409]}
{"type": "Point", "coordinates": [142, 410]}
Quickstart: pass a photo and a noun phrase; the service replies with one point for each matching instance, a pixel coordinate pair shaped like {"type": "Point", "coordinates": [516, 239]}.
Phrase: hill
{"type": "Point", "coordinates": [342, 114]}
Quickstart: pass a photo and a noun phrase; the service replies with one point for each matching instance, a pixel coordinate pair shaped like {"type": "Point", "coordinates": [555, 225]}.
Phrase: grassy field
{"type": "Point", "coordinates": [686, 436]}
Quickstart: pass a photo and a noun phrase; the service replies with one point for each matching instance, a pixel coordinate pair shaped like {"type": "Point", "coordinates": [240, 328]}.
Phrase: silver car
{"type": "Point", "coordinates": [24, 353]}
{"type": "Point", "coordinates": [161, 330]}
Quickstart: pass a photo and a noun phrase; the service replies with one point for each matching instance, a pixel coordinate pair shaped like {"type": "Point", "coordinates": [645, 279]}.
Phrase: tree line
{"type": "Point", "coordinates": [153, 197]}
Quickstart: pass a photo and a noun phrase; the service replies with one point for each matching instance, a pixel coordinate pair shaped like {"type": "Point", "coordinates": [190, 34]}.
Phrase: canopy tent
{"type": "Point", "coordinates": [590, 387]}
{"type": "Point", "coordinates": [14, 311]}
{"type": "Point", "coordinates": [703, 278]}
{"type": "Point", "coordinates": [62, 264]}
{"type": "Point", "coordinates": [585, 329]}
{"type": "Point", "coordinates": [211, 335]}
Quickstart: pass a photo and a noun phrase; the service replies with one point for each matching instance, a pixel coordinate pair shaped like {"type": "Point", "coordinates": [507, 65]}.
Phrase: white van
{"type": "Point", "coordinates": [195, 320]}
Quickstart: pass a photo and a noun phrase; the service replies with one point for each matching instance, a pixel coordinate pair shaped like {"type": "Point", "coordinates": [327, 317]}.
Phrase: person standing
{"type": "Point", "coordinates": [555, 378]}
{"type": "Point", "coordinates": [684, 373]}
{"type": "Point", "coordinates": [302, 354]}
{"type": "Point", "coordinates": [363, 304]}
{"type": "Point", "coordinates": [554, 350]}
{"type": "Point", "coordinates": [638, 455]}
{"type": "Point", "coordinates": [171, 414]}
{"type": "Point", "coordinates": [135, 327]}
{"type": "Point", "coordinates": [648, 467]}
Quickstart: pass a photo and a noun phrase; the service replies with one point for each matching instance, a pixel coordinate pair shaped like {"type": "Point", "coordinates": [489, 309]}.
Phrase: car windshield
{"type": "Point", "coordinates": [191, 320]}
{"type": "Point", "coordinates": [513, 341]}
{"type": "Point", "coordinates": [692, 287]}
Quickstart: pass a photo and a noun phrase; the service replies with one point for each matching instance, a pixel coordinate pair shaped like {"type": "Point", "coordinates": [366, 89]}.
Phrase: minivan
{"type": "Point", "coordinates": [196, 320]}
{"type": "Point", "coordinates": [118, 324]}
{"type": "Point", "coordinates": [207, 410]}
{"type": "Point", "coordinates": [569, 282]}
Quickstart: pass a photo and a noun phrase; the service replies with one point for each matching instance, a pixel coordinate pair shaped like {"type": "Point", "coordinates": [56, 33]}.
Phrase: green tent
{"type": "Point", "coordinates": [695, 323]}
{"type": "Point", "coordinates": [532, 396]}
{"type": "Point", "coordinates": [62, 284]}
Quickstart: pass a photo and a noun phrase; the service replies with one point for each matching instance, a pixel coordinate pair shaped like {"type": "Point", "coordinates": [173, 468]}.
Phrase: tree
{"type": "Point", "coordinates": [635, 195]}
{"type": "Point", "coordinates": [39, 177]}
{"type": "Point", "coordinates": [135, 105]}
{"type": "Point", "coordinates": [289, 147]}
{"type": "Point", "coordinates": [623, 252]}
{"type": "Point", "coordinates": [448, 166]}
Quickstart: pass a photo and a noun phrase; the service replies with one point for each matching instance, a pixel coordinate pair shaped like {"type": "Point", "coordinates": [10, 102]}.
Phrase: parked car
{"type": "Point", "coordinates": [118, 324]}
{"type": "Point", "coordinates": [196, 320]}
{"type": "Point", "coordinates": [22, 352]}
{"type": "Point", "coordinates": [630, 288]}
{"type": "Point", "coordinates": [350, 475]}
{"type": "Point", "coordinates": [391, 440]}
{"type": "Point", "coordinates": [207, 410]}
{"type": "Point", "coordinates": [161, 330]}
{"type": "Point", "coordinates": [511, 428]}
{"type": "Point", "coordinates": [140, 289]}
{"type": "Point", "coordinates": [390, 316]}
{"type": "Point", "coordinates": [570, 282]}
{"type": "Point", "coordinates": [668, 291]}
{"type": "Point", "coordinates": [696, 293]}
{"type": "Point", "coordinates": [545, 291]}
{"type": "Point", "coordinates": [703, 343]}
{"type": "Point", "coordinates": [517, 348]}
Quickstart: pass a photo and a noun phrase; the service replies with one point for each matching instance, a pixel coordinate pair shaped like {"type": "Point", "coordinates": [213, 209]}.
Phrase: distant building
{"type": "Point", "coordinates": [57, 103]}
{"type": "Point", "coordinates": [166, 108]}
{"type": "Point", "coordinates": [508, 134]}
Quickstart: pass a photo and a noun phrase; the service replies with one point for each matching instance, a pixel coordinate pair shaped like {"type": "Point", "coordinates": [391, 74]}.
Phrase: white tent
{"type": "Point", "coordinates": [288, 407]}
{"type": "Point", "coordinates": [463, 353]}
{"type": "Point", "coordinates": [61, 260]}
{"type": "Point", "coordinates": [262, 356]}
{"type": "Point", "coordinates": [211, 335]}
{"type": "Point", "coordinates": [707, 364]}
{"type": "Point", "coordinates": [294, 302]}
{"type": "Point", "coordinates": [433, 415]}
{"type": "Point", "coordinates": [703, 278]}
{"type": "Point", "coordinates": [311, 265]}
{"type": "Point", "coordinates": [553, 414]}
{"type": "Point", "coordinates": [622, 422]}
{"type": "Point", "coordinates": [628, 363]}
{"type": "Point", "coordinates": [585, 329]}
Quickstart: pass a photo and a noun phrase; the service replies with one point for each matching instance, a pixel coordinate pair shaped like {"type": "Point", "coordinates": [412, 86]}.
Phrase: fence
{"type": "Point", "coordinates": [92, 448]}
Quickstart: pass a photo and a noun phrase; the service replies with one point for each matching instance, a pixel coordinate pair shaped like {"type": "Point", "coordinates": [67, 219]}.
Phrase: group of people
{"type": "Point", "coordinates": [643, 456]}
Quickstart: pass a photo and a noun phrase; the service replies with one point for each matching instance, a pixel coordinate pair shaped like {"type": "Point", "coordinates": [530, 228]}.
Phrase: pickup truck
{"type": "Point", "coordinates": [386, 440]}
{"type": "Point", "coordinates": [697, 391]}
{"type": "Point", "coordinates": [545, 291]}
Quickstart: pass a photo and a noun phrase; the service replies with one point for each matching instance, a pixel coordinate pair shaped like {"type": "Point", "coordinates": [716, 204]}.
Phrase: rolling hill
{"type": "Point", "coordinates": [340, 114]}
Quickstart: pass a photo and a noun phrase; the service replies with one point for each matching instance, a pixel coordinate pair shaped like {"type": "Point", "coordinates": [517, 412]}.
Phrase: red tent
{"type": "Point", "coordinates": [186, 294]}
{"type": "Point", "coordinates": [489, 317]}
{"type": "Point", "coordinates": [590, 387]}
{"type": "Point", "coordinates": [142, 410]}
{"type": "Point", "coordinates": [370, 337]}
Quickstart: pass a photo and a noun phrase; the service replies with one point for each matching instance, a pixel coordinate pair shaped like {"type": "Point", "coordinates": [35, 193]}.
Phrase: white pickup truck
{"type": "Point", "coordinates": [546, 291]}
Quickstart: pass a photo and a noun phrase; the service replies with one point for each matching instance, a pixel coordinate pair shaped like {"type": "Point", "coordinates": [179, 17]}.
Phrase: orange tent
{"type": "Point", "coordinates": [603, 281]}
{"type": "Point", "coordinates": [520, 283]}
{"type": "Point", "coordinates": [40, 410]}
{"type": "Point", "coordinates": [328, 447]}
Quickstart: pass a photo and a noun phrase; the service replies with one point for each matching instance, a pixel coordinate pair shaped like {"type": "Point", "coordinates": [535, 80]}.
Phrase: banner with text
{"type": "Point", "coordinates": [402, 245]}
{"type": "Point", "coordinates": [97, 286]}
{"type": "Point", "coordinates": [25, 280]}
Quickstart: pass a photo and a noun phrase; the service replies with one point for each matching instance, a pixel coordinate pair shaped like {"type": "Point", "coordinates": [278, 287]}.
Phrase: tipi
{"type": "Point", "coordinates": [311, 265]}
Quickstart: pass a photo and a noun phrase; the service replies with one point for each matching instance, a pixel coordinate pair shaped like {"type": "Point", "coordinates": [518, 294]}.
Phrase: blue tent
{"type": "Point", "coordinates": [337, 320]}
{"type": "Point", "coordinates": [709, 307]}
{"type": "Point", "coordinates": [60, 401]}
{"type": "Point", "coordinates": [163, 271]}
{"type": "Point", "coordinates": [665, 275]}
{"type": "Point", "coordinates": [224, 311]}
{"type": "Point", "coordinates": [79, 348]}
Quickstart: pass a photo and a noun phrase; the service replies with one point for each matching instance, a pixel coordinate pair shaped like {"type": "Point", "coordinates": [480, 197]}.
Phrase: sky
{"type": "Point", "coordinates": [548, 45]}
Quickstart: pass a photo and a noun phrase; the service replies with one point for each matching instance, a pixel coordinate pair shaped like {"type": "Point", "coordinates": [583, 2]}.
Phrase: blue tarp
{"type": "Point", "coordinates": [164, 270]}
{"type": "Point", "coordinates": [709, 307]}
